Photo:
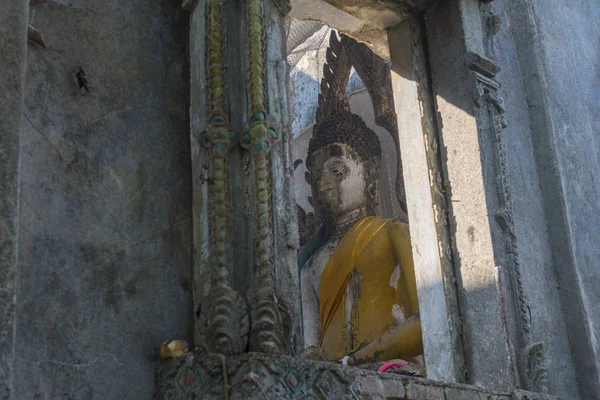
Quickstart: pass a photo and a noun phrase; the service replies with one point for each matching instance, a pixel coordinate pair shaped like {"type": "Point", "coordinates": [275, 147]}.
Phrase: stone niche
{"type": "Point", "coordinates": [248, 336]}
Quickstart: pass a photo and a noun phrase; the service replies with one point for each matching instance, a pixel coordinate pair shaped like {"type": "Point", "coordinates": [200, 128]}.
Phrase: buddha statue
{"type": "Point", "coordinates": [359, 294]}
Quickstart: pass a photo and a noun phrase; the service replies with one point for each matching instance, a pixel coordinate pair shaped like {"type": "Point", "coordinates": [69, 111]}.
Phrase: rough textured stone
{"type": "Point", "coordinates": [106, 200]}
{"type": "Point", "coordinates": [415, 391]}
{"type": "Point", "coordinates": [13, 28]}
{"type": "Point", "coordinates": [457, 394]}
{"type": "Point", "coordinates": [251, 375]}
{"type": "Point", "coordinates": [524, 395]}
{"type": "Point", "coordinates": [467, 152]}
{"type": "Point", "coordinates": [538, 267]}
{"type": "Point", "coordinates": [556, 58]}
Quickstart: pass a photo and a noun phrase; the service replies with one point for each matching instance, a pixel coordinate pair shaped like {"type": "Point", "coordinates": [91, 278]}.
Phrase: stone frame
{"type": "Point", "coordinates": [444, 124]}
{"type": "Point", "coordinates": [426, 203]}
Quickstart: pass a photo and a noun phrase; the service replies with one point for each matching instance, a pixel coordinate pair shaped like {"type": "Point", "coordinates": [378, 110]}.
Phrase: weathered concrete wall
{"type": "Point", "coordinates": [105, 255]}
{"type": "Point", "coordinates": [549, 87]}
{"type": "Point", "coordinates": [13, 47]}
{"type": "Point", "coordinates": [558, 47]}
{"type": "Point", "coordinates": [537, 264]}
{"type": "Point", "coordinates": [467, 152]}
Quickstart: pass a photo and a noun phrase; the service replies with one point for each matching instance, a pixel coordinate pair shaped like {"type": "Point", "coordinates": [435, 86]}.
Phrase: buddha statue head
{"type": "Point", "coordinates": [344, 158]}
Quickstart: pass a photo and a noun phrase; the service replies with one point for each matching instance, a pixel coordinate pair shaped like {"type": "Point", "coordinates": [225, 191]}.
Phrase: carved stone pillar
{"type": "Point", "coordinates": [530, 354]}
{"type": "Point", "coordinates": [245, 280]}
{"type": "Point", "coordinates": [427, 208]}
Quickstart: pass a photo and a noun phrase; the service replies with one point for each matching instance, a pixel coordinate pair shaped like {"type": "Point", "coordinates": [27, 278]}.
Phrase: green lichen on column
{"type": "Point", "coordinates": [267, 332]}
{"type": "Point", "coordinates": [225, 317]}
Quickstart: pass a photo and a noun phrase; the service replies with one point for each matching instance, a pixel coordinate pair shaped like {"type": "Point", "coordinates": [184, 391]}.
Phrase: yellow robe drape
{"type": "Point", "coordinates": [372, 249]}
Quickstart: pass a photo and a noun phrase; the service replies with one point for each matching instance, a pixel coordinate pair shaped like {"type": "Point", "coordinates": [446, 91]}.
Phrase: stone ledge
{"type": "Point", "coordinates": [252, 375]}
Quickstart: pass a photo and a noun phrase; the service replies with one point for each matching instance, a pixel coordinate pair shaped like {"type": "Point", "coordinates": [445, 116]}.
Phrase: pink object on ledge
{"type": "Point", "coordinates": [391, 364]}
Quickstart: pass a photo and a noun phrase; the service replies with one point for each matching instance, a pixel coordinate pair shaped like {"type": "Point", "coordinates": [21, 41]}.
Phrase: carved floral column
{"type": "Point", "coordinates": [267, 326]}
{"type": "Point", "coordinates": [223, 314]}
{"type": "Point", "coordinates": [245, 285]}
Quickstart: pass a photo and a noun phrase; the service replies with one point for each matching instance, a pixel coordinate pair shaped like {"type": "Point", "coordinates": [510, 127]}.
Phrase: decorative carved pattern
{"type": "Point", "coordinates": [273, 379]}
{"type": "Point", "coordinates": [254, 376]}
{"type": "Point", "coordinates": [190, 377]}
{"type": "Point", "coordinates": [535, 371]}
{"type": "Point", "coordinates": [532, 368]}
{"type": "Point", "coordinates": [201, 376]}
{"type": "Point", "coordinates": [267, 326]}
{"type": "Point", "coordinates": [336, 72]}
{"type": "Point", "coordinates": [224, 318]}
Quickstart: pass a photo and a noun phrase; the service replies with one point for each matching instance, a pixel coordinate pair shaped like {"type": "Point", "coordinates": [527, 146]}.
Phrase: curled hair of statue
{"type": "Point", "coordinates": [342, 127]}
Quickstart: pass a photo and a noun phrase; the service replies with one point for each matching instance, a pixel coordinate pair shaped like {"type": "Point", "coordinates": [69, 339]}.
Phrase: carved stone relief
{"type": "Point", "coordinates": [223, 317]}
{"type": "Point", "coordinates": [225, 325]}
{"type": "Point", "coordinates": [531, 363]}
{"type": "Point", "coordinates": [255, 376]}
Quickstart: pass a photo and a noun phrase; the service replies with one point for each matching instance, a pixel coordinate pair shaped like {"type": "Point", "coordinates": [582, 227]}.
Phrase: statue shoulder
{"type": "Point", "coordinates": [397, 228]}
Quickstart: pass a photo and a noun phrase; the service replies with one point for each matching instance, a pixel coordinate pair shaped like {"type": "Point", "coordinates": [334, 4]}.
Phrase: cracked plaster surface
{"type": "Point", "coordinates": [105, 223]}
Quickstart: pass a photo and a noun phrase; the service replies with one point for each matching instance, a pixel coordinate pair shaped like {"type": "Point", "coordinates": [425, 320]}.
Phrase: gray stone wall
{"type": "Point", "coordinates": [569, 54]}
{"type": "Point", "coordinates": [557, 50]}
{"type": "Point", "coordinates": [535, 244]}
{"type": "Point", "coordinates": [105, 255]}
{"type": "Point", "coordinates": [13, 47]}
{"type": "Point", "coordinates": [105, 221]}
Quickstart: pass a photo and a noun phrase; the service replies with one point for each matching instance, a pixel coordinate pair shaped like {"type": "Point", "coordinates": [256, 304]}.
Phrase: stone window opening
{"type": "Point", "coordinates": [246, 283]}
{"type": "Point", "coordinates": [398, 108]}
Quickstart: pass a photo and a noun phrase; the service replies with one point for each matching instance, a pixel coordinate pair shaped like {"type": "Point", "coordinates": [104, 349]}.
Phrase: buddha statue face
{"type": "Point", "coordinates": [342, 181]}
{"type": "Point", "coordinates": [344, 162]}
{"type": "Point", "coordinates": [339, 177]}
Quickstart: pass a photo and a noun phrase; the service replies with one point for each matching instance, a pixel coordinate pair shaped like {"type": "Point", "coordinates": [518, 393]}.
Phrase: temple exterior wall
{"type": "Point", "coordinates": [555, 105]}
{"type": "Point", "coordinates": [105, 204]}
{"type": "Point", "coordinates": [539, 271]}
{"type": "Point", "coordinates": [106, 237]}
{"type": "Point", "coordinates": [565, 123]}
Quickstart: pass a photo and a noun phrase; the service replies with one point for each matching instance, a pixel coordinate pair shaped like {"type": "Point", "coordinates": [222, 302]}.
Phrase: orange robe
{"type": "Point", "coordinates": [373, 265]}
